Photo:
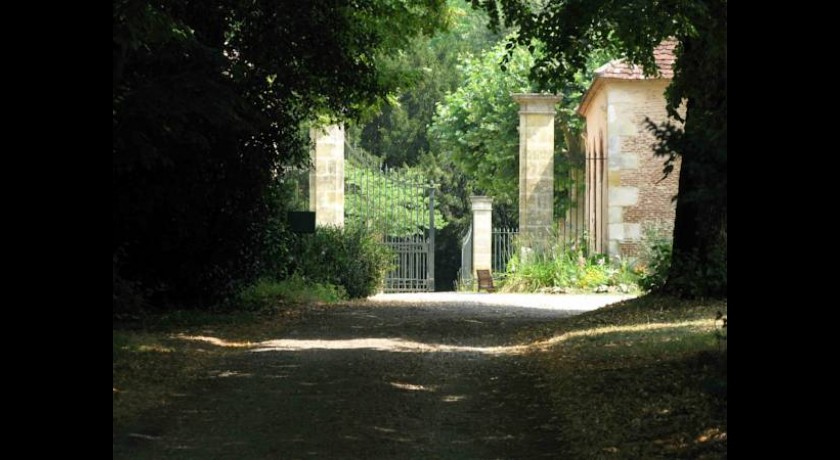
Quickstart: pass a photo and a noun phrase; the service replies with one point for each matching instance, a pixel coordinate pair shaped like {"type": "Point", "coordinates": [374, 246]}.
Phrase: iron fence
{"type": "Point", "coordinates": [502, 242]}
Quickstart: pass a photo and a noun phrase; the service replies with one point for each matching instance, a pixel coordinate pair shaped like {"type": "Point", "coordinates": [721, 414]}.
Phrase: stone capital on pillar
{"type": "Point", "coordinates": [536, 103]}
{"type": "Point", "coordinates": [481, 203]}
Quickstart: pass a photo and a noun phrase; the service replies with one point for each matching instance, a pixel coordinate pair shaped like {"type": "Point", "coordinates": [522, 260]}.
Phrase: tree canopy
{"type": "Point", "coordinates": [571, 30]}
{"type": "Point", "coordinates": [398, 133]}
{"type": "Point", "coordinates": [475, 128]}
{"type": "Point", "coordinates": [208, 102]}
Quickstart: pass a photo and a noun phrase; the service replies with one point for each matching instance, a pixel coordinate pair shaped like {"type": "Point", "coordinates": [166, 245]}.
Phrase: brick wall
{"type": "Point", "coordinates": [639, 200]}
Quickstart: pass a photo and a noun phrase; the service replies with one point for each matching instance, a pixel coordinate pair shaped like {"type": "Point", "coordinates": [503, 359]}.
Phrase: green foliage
{"type": "Point", "coordinates": [393, 202]}
{"type": "Point", "coordinates": [398, 134]}
{"type": "Point", "coordinates": [698, 279]}
{"type": "Point", "coordinates": [565, 266]}
{"type": "Point", "coordinates": [267, 295]}
{"type": "Point", "coordinates": [208, 100]}
{"type": "Point", "coordinates": [699, 275]}
{"type": "Point", "coordinates": [572, 30]}
{"type": "Point", "coordinates": [351, 258]}
{"type": "Point", "coordinates": [656, 261]}
{"type": "Point", "coordinates": [475, 127]}
{"type": "Point", "coordinates": [278, 242]}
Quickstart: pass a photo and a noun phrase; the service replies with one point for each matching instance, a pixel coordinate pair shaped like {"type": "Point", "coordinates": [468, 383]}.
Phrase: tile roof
{"type": "Point", "coordinates": [620, 69]}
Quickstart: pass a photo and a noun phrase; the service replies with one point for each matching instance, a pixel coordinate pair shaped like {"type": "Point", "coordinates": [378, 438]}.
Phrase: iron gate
{"type": "Point", "coordinates": [398, 206]}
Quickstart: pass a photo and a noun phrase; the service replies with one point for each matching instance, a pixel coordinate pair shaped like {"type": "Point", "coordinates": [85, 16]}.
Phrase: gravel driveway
{"type": "Point", "coordinates": [402, 376]}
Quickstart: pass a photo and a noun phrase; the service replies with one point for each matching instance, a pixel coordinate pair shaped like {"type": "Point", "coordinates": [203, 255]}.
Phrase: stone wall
{"type": "Point", "coordinates": [637, 198]}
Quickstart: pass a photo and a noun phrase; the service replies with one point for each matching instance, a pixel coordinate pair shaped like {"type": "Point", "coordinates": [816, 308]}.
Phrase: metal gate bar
{"type": "Point", "coordinates": [392, 205]}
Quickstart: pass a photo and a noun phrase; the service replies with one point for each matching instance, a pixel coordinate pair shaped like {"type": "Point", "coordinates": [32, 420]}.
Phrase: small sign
{"type": "Point", "coordinates": [302, 221]}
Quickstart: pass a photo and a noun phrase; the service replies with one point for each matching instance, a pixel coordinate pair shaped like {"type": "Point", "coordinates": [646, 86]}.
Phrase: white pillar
{"type": "Point", "coordinates": [326, 177]}
{"type": "Point", "coordinates": [482, 225]}
{"type": "Point", "coordinates": [536, 167]}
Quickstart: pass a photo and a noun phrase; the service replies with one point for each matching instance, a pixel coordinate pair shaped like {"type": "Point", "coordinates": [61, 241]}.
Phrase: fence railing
{"type": "Point", "coordinates": [465, 277]}
{"type": "Point", "coordinates": [502, 248]}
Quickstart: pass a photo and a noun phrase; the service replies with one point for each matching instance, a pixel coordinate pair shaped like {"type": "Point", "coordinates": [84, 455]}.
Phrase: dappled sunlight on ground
{"type": "Point", "coordinates": [154, 348]}
{"type": "Point", "coordinates": [400, 345]}
{"type": "Point", "coordinates": [569, 302]}
{"type": "Point", "coordinates": [697, 324]}
{"type": "Point", "coordinates": [446, 380]}
{"type": "Point", "coordinates": [224, 374]}
{"type": "Point", "coordinates": [379, 344]}
{"type": "Point", "coordinates": [412, 387]}
{"type": "Point", "coordinates": [711, 434]}
{"type": "Point", "coordinates": [214, 341]}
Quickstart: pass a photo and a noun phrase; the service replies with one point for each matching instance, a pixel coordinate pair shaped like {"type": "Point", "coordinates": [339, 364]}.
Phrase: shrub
{"type": "Point", "coordinates": [594, 276]}
{"type": "Point", "coordinates": [350, 257]}
{"type": "Point", "coordinates": [656, 262]}
{"type": "Point", "coordinates": [701, 275]}
{"type": "Point", "coordinates": [564, 266]}
{"type": "Point", "coordinates": [268, 295]}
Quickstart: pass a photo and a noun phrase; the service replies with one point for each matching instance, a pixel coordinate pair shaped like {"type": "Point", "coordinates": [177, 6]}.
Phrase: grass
{"type": "Point", "coordinates": [645, 378]}
{"type": "Point", "coordinates": [267, 295]}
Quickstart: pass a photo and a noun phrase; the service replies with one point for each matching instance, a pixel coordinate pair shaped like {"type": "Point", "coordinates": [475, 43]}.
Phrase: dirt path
{"type": "Point", "coordinates": [391, 379]}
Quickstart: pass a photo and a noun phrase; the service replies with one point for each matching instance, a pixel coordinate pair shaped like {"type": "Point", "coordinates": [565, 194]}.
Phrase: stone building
{"type": "Point", "coordinates": [625, 193]}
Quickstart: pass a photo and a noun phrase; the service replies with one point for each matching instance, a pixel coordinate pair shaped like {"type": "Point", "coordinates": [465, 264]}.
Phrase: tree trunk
{"type": "Point", "coordinates": [698, 266]}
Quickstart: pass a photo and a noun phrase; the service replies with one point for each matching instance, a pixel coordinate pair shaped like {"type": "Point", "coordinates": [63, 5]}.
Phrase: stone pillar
{"type": "Point", "coordinates": [326, 177]}
{"type": "Point", "coordinates": [482, 227]}
{"type": "Point", "coordinates": [536, 167]}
